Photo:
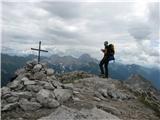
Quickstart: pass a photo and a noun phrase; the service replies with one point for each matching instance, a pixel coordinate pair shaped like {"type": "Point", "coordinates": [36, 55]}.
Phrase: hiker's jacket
{"type": "Point", "coordinates": [107, 52]}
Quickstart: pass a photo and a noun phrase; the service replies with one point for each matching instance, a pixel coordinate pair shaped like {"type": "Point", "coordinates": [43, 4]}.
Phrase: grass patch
{"type": "Point", "coordinates": [148, 102]}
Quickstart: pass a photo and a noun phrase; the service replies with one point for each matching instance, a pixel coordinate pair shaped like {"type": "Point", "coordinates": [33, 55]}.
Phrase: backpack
{"type": "Point", "coordinates": [111, 51]}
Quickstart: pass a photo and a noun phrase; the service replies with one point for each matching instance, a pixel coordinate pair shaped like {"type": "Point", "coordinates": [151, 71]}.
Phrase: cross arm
{"type": "Point", "coordinates": [38, 50]}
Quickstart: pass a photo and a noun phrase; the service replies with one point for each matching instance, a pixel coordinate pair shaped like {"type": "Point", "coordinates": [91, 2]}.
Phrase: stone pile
{"type": "Point", "coordinates": [34, 87]}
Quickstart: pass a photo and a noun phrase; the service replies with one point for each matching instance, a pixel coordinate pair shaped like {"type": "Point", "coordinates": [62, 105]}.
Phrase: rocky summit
{"type": "Point", "coordinates": [37, 93]}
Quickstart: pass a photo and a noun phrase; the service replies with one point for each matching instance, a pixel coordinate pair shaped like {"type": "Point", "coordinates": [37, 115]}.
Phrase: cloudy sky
{"type": "Point", "coordinates": [73, 28]}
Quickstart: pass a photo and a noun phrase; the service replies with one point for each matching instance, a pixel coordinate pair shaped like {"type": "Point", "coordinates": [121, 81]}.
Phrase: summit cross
{"type": "Point", "coordinates": [39, 51]}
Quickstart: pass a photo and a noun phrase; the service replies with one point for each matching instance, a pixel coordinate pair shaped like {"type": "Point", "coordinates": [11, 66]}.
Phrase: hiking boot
{"type": "Point", "coordinates": [105, 77]}
{"type": "Point", "coordinates": [102, 75]}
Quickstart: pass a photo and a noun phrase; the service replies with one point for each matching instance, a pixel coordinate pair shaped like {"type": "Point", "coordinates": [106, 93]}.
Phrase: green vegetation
{"type": "Point", "coordinates": [151, 103]}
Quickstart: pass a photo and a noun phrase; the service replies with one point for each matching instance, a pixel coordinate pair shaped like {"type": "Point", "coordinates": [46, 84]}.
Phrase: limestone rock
{"type": "Point", "coordinates": [68, 86]}
{"type": "Point", "coordinates": [52, 103]}
{"type": "Point", "coordinates": [99, 95]}
{"type": "Point", "coordinates": [33, 100]}
{"type": "Point", "coordinates": [118, 95]}
{"type": "Point", "coordinates": [43, 95]}
{"type": "Point", "coordinates": [53, 77]}
{"type": "Point", "coordinates": [29, 106]}
{"type": "Point", "coordinates": [46, 98]}
{"type": "Point", "coordinates": [24, 75]}
{"type": "Point", "coordinates": [65, 113]}
{"type": "Point", "coordinates": [41, 82]}
{"type": "Point", "coordinates": [56, 84]}
{"type": "Point", "coordinates": [50, 72]}
{"type": "Point", "coordinates": [37, 68]}
{"type": "Point", "coordinates": [12, 99]}
{"type": "Point", "coordinates": [5, 90]}
{"type": "Point", "coordinates": [48, 86]}
{"type": "Point", "coordinates": [25, 94]}
{"type": "Point", "coordinates": [109, 109]}
{"type": "Point", "coordinates": [29, 82]}
{"type": "Point", "coordinates": [103, 92]}
{"type": "Point", "coordinates": [14, 84]}
{"type": "Point", "coordinates": [20, 71]}
{"type": "Point", "coordinates": [63, 95]}
{"type": "Point", "coordinates": [39, 76]}
{"type": "Point", "coordinates": [24, 79]}
{"type": "Point", "coordinates": [30, 64]}
{"type": "Point", "coordinates": [88, 97]}
{"type": "Point", "coordinates": [34, 88]}
{"type": "Point", "coordinates": [10, 106]}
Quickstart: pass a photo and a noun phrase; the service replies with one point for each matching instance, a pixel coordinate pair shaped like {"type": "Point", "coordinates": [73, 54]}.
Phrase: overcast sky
{"type": "Point", "coordinates": [73, 28]}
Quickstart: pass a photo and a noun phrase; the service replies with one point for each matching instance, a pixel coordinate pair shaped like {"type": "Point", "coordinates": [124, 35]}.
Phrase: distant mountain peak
{"type": "Point", "coordinates": [137, 81]}
{"type": "Point", "coordinates": [85, 56]}
{"type": "Point", "coordinates": [136, 77]}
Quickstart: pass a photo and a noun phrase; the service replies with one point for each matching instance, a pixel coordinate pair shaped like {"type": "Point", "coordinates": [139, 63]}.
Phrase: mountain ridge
{"type": "Point", "coordinates": [69, 64]}
{"type": "Point", "coordinates": [76, 95]}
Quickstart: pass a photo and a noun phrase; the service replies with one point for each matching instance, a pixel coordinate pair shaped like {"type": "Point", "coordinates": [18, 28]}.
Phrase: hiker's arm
{"type": "Point", "coordinates": [103, 50]}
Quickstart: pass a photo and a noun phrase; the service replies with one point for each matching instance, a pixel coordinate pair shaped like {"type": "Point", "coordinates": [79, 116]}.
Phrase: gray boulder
{"type": "Point", "coordinates": [33, 99]}
{"type": "Point", "coordinates": [43, 95]}
{"type": "Point", "coordinates": [5, 90]}
{"type": "Point", "coordinates": [34, 88]}
{"type": "Point", "coordinates": [29, 65]}
{"type": "Point", "coordinates": [24, 79]}
{"type": "Point", "coordinates": [10, 106]}
{"type": "Point", "coordinates": [42, 83]}
{"type": "Point", "coordinates": [34, 62]}
{"type": "Point", "coordinates": [49, 86]}
{"type": "Point", "coordinates": [56, 84]}
{"type": "Point", "coordinates": [50, 72]}
{"type": "Point", "coordinates": [117, 95]}
{"type": "Point", "coordinates": [68, 86]}
{"type": "Point", "coordinates": [52, 103]}
{"type": "Point", "coordinates": [25, 94]}
{"type": "Point", "coordinates": [29, 82]}
{"type": "Point", "coordinates": [20, 71]}
{"type": "Point", "coordinates": [37, 68]}
{"type": "Point", "coordinates": [39, 75]}
{"type": "Point", "coordinates": [63, 95]}
{"type": "Point", "coordinates": [46, 98]}
{"type": "Point", "coordinates": [14, 84]}
{"type": "Point", "coordinates": [109, 109]}
{"type": "Point", "coordinates": [23, 75]}
{"type": "Point", "coordinates": [99, 95]}
{"type": "Point", "coordinates": [53, 77]}
{"type": "Point", "coordinates": [29, 106]}
{"type": "Point", "coordinates": [103, 92]}
{"type": "Point", "coordinates": [12, 99]}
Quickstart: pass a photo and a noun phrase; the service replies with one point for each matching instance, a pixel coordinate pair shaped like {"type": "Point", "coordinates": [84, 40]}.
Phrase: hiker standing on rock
{"type": "Point", "coordinates": [108, 56]}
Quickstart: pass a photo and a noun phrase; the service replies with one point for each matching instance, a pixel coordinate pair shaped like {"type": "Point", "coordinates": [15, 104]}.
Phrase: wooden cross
{"type": "Point", "coordinates": [39, 50]}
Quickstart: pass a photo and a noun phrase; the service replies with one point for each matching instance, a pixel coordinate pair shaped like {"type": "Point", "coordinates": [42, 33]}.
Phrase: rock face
{"type": "Point", "coordinates": [47, 98]}
{"type": "Point", "coordinates": [34, 88]}
{"type": "Point", "coordinates": [38, 93]}
{"type": "Point", "coordinates": [63, 95]}
{"type": "Point", "coordinates": [65, 113]}
{"type": "Point", "coordinates": [29, 106]}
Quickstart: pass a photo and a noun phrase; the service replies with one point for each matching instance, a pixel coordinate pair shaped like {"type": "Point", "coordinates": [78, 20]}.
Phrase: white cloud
{"type": "Point", "coordinates": [76, 28]}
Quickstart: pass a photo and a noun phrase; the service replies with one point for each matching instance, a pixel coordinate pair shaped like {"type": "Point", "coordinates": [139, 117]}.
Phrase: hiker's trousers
{"type": "Point", "coordinates": [104, 64]}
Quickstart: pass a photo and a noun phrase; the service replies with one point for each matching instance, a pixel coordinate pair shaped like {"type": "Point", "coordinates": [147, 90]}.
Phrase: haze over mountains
{"type": "Point", "coordinates": [85, 62]}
